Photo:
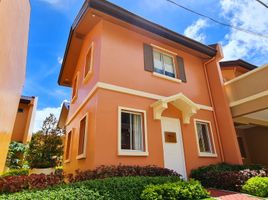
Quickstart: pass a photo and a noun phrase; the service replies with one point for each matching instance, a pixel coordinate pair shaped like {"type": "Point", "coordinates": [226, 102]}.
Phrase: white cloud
{"type": "Point", "coordinates": [60, 59]}
{"type": "Point", "coordinates": [194, 30]}
{"type": "Point", "coordinates": [41, 115]}
{"type": "Point", "coordinates": [249, 15]}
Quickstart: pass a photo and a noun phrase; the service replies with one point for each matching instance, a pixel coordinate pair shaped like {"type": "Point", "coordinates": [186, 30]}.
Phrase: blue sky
{"type": "Point", "coordinates": [51, 20]}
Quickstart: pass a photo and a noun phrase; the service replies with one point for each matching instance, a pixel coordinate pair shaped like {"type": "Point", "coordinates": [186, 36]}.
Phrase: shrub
{"type": "Point", "coordinates": [124, 188]}
{"type": "Point", "coordinates": [191, 190]}
{"type": "Point", "coordinates": [120, 171]}
{"type": "Point", "coordinates": [225, 176]}
{"type": "Point", "coordinates": [16, 172]}
{"type": "Point", "coordinates": [12, 184]}
{"type": "Point", "coordinates": [119, 188]}
{"type": "Point", "coordinates": [15, 155]}
{"type": "Point", "coordinates": [59, 194]}
{"type": "Point", "coordinates": [257, 186]}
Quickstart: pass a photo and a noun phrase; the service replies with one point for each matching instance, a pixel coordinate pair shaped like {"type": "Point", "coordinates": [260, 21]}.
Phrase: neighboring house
{"type": "Point", "coordinates": [247, 90]}
{"type": "Point", "coordinates": [14, 20]}
{"type": "Point", "coordinates": [142, 95]}
{"type": "Point", "coordinates": [23, 127]}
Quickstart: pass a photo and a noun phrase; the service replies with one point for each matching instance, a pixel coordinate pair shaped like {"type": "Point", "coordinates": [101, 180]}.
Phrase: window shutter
{"type": "Point", "coordinates": [180, 69]}
{"type": "Point", "coordinates": [148, 58]}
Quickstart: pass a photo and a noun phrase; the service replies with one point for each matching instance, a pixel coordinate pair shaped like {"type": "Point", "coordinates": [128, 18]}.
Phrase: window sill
{"type": "Point", "coordinates": [132, 153]}
{"type": "Point", "coordinates": [81, 156]}
{"type": "Point", "coordinates": [67, 161]}
{"type": "Point", "coordinates": [87, 77]}
{"type": "Point", "coordinates": [210, 155]}
{"type": "Point", "coordinates": [166, 77]}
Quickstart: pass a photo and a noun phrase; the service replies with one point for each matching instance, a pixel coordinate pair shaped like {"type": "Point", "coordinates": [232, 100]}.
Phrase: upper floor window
{"type": "Point", "coordinates": [20, 110]}
{"type": "Point", "coordinates": [89, 62]}
{"type": "Point", "coordinates": [205, 138]}
{"type": "Point", "coordinates": [75, 88]}
{"type": "Point", "coordinates": [132, 132]}
{"type": "Point", "coordinates": [164, 63]}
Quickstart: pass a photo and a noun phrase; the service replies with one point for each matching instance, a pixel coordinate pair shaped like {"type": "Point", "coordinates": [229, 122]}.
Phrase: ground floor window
{"type": "Point", "coordinates": [82, 138]}
{"type": "Point", "coordinates": [204, 137]}
{"type": "Point", "coordinates": [68, 146]}
{"type": "Point", "coordinates": [132, 131]}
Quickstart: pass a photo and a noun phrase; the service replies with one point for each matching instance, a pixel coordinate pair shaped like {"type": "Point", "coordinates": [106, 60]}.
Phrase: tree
{"type": "Point", "coordinates": [46, 147]}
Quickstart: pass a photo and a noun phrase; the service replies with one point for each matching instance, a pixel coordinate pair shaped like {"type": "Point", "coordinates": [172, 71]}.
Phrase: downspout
{"type": "Point", "coordinates": [212, 104]}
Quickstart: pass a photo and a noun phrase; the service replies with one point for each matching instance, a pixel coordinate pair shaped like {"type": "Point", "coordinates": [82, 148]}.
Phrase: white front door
{"type": "Point", "coordinates": [173, 145]}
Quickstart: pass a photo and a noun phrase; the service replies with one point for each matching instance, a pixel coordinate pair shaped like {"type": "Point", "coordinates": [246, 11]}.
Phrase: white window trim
{"type": "Point", "coordinates": [122, 152]}
{"type": "Point", "coordinates": [83, 155]}
{"type": "Point", "coordinates": [167, 53]}
{"type": "Point", "coordinates": [76, 92]}
{"type": "Point", "coordinates": [86, 76]}
{"type": "Point", "coordinates": [205, 154]}
{"type": "Point", "coordinates": [167, 77]}
{"type": "Point", "coordinates": [70, 149]}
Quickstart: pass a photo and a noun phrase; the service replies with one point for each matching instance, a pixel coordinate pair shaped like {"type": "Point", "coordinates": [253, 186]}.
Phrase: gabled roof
{"type": "Point", "coordinates": [238, 62]}
{"type": "Point", "coordinates": [121, 14]}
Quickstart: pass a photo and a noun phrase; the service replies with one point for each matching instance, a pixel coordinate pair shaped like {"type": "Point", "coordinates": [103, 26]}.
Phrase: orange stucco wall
{"type": "Point", "coordinates": [118, 60]}
{"type": "Point", "coordinates": [231, 72]}
{"type": "Point", "coordinates": [14, 20]}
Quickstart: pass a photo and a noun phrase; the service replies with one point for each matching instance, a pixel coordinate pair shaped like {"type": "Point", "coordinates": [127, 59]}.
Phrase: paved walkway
{"type": "Point", "coordinates": [227, 195]}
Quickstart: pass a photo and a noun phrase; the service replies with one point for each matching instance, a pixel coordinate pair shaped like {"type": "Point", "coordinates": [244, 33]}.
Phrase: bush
{"type": "Point", "coordinates": [124, 188]}
{"type": "Point", "coordinates": [12, 184]}
{"type": "Point", "coordinates": [225, 176]}
{"type": "Point", "coordinates": [119, 188]}
{"type": "Point", "coordinates": [59, 194]}
{"type": "Point", "coordinates": [120, 171]}
{"type": "Point", "coordinates": [15, 155]}
{"type": "Point", "coordinates": [191, 190]}
{"type": "Point", "coordinates": [257, 186]}
{"type": "Point", "coordinates": [16, 172]}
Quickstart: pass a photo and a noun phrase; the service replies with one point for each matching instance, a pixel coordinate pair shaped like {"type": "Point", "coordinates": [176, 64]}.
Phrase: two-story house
{"type": "Point", "coordinates": [142, 95]}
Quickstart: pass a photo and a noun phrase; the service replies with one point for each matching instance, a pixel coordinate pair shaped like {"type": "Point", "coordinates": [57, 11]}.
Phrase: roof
{"type": "Point", "coordinates": [26, 99]}
{"type": "Point", "coordinates": [238, 62]}
{"type": "Point", "coordinates": [119, 13]}
{"type": "Point", "coordinates": [63, 114]}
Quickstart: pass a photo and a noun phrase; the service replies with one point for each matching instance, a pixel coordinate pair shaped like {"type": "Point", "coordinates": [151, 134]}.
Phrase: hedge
{"type": "Point", "coordinates": [69, 193]}
{"type": "Point", "coordinates": [181, 190]}
{"type": "Point", "coordinates": [226, 176]}
{"type": "Point", "coordinates": [120, 171]}
{"type": "Point", "coordinates": [257, 186]}
{"type": "Point", "coordinates": [119, 188]}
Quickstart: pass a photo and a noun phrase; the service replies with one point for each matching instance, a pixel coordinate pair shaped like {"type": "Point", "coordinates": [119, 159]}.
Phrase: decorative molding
{"type": "Point", "coordinates": [181, 102]}
{"type": "Point", "coordinates": [124, 90]}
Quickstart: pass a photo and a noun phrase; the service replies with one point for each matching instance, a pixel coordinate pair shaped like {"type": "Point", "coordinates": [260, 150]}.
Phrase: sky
{"type": "Point", "coordinates": [51, 21]}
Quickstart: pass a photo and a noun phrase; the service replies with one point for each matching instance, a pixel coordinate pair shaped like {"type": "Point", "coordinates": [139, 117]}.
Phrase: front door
{"type": "Point", "coordinates": [173, 145]}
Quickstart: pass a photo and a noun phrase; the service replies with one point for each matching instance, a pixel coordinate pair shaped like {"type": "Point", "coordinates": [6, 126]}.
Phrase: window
{"type": "Point", "coordinates": [20, 110]}
{"type": "Point", "coordinates": [132, 130]}
{"type": "Point", "coordinates": [164, 64]}
{"type": "Point", "coordinates": [205, 138]}
{"type": "Point", "coordinates": [89, 62]}
{"type": "Point", "coordinates": [68, 146]}
{"type": "Point", "coordinates": [82, 138]}
{"type": "Point", "coordinates": [75, 88]}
